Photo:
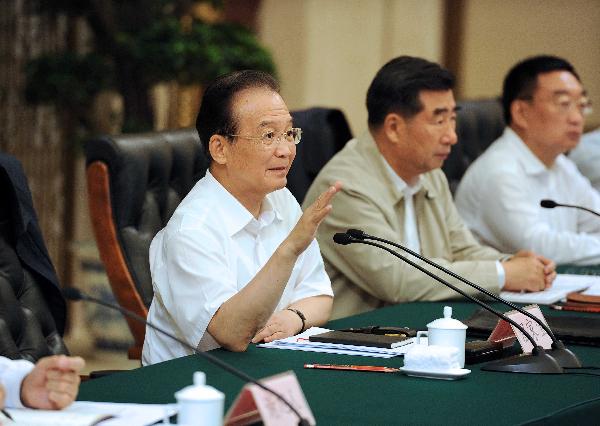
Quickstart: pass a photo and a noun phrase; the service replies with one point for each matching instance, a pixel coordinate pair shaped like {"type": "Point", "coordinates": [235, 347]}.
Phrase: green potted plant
{"type": "Point", "coordinates": [138, 44]}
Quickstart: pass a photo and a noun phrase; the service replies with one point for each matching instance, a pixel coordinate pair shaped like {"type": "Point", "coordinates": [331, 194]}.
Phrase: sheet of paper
{"type": "Point", "coordinates": [87, 413]}
{"type": "Point", "coordinates": [301, 343]}
{"type": "Point", "coordinates": [563, 284]}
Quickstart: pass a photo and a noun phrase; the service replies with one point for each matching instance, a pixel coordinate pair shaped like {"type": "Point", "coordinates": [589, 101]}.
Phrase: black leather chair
{"type": "Point", "coordinates": [32, 309]}
{"type": "Point", "coordinates": [324, 132]}
{"type": "Point", "coordinates": [479, 123]}
{"type": "Point", "coordinates": [135, 182]}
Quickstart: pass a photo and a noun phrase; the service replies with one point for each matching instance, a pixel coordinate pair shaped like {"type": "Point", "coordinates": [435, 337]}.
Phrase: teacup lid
{"type": "Point", "coordinates": [199, 391]}
{"type": "Point", "coordinates": [447, 323]}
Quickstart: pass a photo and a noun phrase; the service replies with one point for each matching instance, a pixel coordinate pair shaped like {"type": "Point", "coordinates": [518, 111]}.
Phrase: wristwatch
{"type": "Point", "coordinates": [301, 315]}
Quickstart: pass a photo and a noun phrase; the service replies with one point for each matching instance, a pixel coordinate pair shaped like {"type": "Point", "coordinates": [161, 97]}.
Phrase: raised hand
{"type": "Point", "coordinates": [306, 228]}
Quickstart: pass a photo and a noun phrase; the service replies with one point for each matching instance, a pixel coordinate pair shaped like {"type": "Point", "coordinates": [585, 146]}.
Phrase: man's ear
{"type": "Point", "coordinates": [394, 127]}
{"type": "Point", "coordinates": [217, 146]}
{"type": "Point", "coordinates": [518, 113]}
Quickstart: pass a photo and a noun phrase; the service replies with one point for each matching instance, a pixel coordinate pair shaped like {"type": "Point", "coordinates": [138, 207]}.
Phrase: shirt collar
{"type": "Point", "coordinates": [235, 216]}
{"type": "Point", "coordinates": [531, 163]}
{"type": "Point", "coordinates": [399, 182]}
{"type": "Point", "coordinates": [368, 148]}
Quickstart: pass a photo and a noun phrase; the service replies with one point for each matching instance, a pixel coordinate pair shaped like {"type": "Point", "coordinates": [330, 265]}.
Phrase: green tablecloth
{"type": "Point", "coordinates": [350, 397]}
{"type": "Point", "coordinates": [579, 270]}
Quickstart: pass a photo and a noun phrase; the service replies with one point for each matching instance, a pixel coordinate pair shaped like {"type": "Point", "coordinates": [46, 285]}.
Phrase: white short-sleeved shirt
{"type": "Point", "coordinates": [210, 249]}
{"type": "Point", "coordinates": [12, 373]}
{"type": "Point", "coordinates": [499, 199]}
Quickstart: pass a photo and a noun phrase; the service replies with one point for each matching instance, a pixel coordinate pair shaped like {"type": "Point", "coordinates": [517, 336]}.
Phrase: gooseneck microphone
{"type": "Point", "coordinates": [564, 357]}
{"type": "Point", "coordinates": [537, 362]}
{"type": "Point", "coordinates": [74, 294]}
{"type": "Point", "coordinates": [550, 204]}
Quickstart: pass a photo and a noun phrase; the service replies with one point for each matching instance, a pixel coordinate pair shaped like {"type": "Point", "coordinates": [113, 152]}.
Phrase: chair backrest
{"type": "Point", "coordinates": [135, 183]}
{"type": "Point", "coordinates": [32, 309]}
{"type": "Point", "coordinates": [479, 123]}
{"type": "Point", "coordinates": [324, 132]}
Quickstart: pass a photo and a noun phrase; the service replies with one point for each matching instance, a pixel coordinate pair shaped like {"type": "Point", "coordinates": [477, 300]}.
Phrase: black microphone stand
{"type": "Point", "coordinates": [550, 204]}
{"type": "Point", "coordinates": [536, 362]}
{"type": "Point", "coordinates": [76, 295]}
{"type": "Point", "coordinates": [565, 357]}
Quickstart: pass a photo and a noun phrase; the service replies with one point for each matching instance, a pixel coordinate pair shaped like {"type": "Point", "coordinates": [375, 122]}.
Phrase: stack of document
{"type": "Point", "coordinates": [300, 342]}
{"type": "Point", "coordinates": [83, 413]}
{"type": "Point", "coordinates": [563, 285]}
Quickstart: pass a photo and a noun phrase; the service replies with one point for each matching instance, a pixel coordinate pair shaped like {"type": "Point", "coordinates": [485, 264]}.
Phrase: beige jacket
{"type": "Point", "coordinates": [363, 277]}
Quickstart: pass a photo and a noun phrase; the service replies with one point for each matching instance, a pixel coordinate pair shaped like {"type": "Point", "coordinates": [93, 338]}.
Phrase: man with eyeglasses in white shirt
{"type": "Point", "coordinates": [238, 261]}
{"type": "Point", "coordinates": [545, 105]}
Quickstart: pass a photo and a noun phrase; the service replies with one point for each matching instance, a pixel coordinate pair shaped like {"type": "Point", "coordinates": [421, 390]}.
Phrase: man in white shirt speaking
{"type": "Point", "coordinates": [238, 261]}
{"type": "Point", "coordinates": [499, 197]}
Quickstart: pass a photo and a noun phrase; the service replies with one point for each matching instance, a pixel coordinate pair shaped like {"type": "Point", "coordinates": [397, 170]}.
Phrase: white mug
{"type": "Point", "coordinates": [200, 404]}
{"type": "Point", "coordinates": [446, 332]}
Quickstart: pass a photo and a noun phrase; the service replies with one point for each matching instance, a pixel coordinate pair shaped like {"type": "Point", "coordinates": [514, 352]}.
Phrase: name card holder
{"type": "Point", "coordinates": [505, 332]}
{"type": "Point", "coordinates": [255, 404]}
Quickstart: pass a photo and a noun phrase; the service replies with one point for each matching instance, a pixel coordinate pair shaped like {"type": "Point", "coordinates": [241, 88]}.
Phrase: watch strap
{"type": "Point", "coordinates": [302, 317]}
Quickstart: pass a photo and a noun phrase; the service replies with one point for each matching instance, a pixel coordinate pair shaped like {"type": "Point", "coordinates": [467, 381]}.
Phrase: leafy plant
{"type": "Point", "coordinates": [139, 43]}
{"type": "Point", "coordinates": [68, 80]}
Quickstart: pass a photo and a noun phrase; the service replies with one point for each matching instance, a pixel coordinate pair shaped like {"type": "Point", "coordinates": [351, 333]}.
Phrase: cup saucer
{"type": "Point", "coordinates": [452, 374]}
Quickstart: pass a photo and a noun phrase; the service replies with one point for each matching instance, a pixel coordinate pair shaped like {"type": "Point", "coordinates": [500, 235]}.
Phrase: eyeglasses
{"type": "Point", "coordinates": [565, 103]}
{"type": "Point", "coordinates": [269, 139]}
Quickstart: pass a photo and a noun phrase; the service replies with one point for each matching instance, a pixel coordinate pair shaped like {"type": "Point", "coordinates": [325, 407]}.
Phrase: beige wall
{"type": "Point", "coordinates": [327, 51]}
{"type": "Point", "coordinates": [499, 33]}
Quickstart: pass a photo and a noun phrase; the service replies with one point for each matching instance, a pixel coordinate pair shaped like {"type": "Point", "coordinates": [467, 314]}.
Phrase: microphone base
{"type": "Point", "coordinates": [563, 356]}
{"type": "Point", "coordinates": [539, 362]}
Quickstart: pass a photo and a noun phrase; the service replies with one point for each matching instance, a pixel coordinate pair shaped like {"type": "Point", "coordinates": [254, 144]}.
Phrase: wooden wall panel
{"type": "Point", "coordinates": [33, 133]}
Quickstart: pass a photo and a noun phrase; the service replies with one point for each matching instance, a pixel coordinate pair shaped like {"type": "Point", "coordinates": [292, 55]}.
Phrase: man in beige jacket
{"type": "Point", "coordinates": [394, 188]}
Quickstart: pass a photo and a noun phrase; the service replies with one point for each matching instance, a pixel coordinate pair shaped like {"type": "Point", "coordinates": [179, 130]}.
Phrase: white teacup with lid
{"type": "Point", "coordinates": [200, 404]}
{"type": "Point", "coordinates": [447, 331]}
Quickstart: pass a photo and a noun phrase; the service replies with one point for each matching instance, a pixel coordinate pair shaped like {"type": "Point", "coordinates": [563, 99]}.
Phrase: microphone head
{"type": "Point", "coordinates": [357, 233]}
{"type": "Point", "coordinates": [548, 204]}
{"type": "Point", "coordinates": [342, 238]}
{"type": "Point", "coordinates": [71, 293]}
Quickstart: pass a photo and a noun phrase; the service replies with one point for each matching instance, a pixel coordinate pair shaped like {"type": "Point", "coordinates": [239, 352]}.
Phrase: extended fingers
{"type": "Point", "coordinates": [324, 199]}
{"type": "Point", "coordinates": [262, 334]}
{"type": "Point", "coordinates": [268, 334]}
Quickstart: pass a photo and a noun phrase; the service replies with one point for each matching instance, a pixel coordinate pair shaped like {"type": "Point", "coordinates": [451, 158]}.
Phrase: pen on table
{"type": "Point", "coordinates": [8, 416]}
{"type": "Point", "coordinates": [373, 368]}
{"type": "Point", "coordinates": [575, 308]}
